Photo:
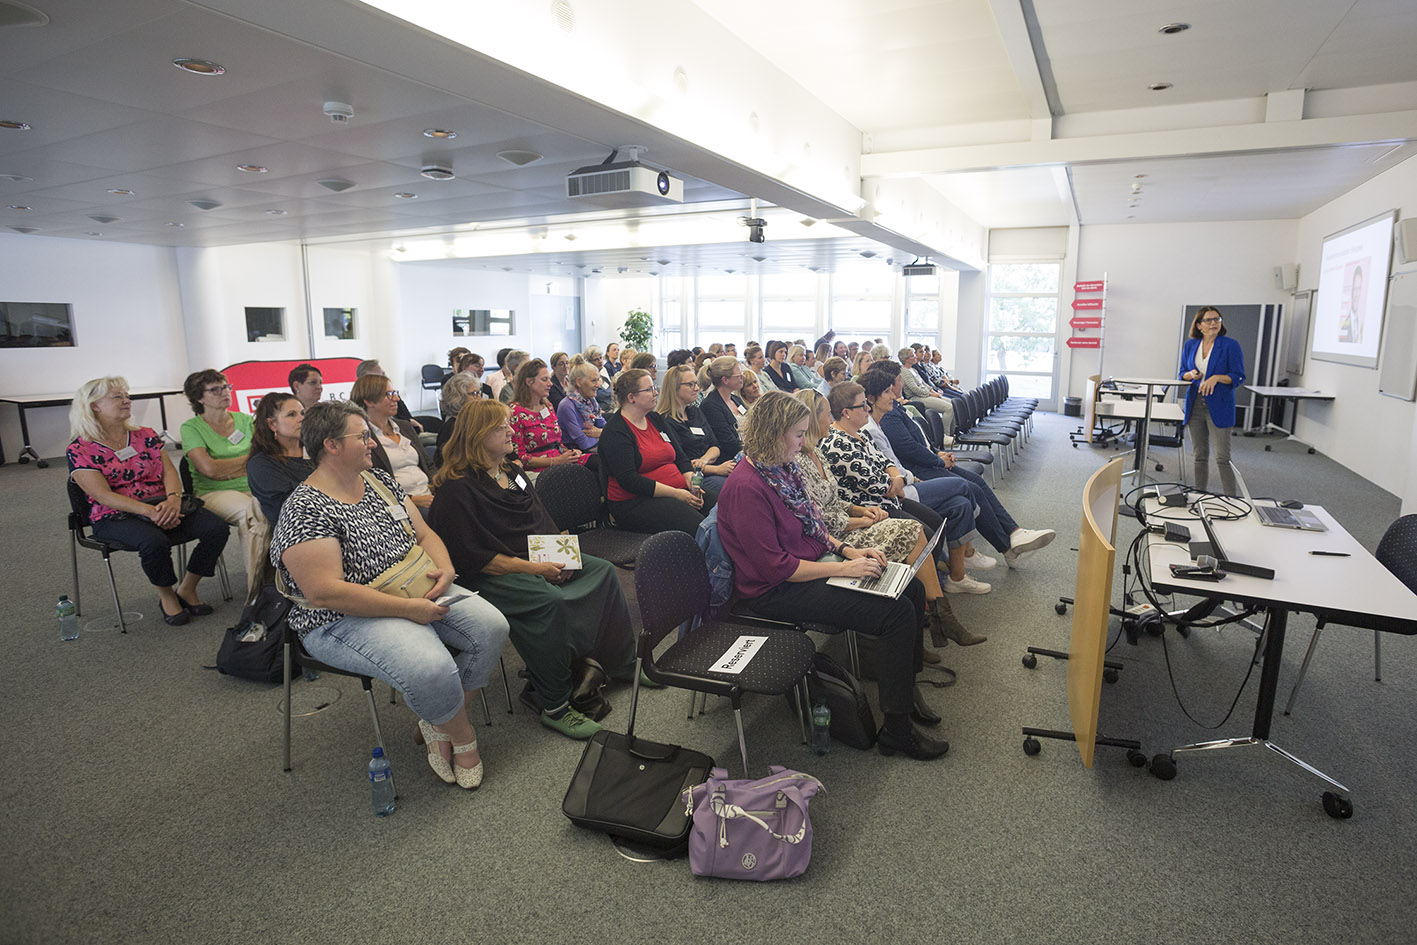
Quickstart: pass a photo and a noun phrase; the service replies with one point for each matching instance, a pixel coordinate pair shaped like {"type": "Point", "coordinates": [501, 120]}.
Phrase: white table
{"type": "Point", "coordinates": [26, 402]}
{"type": "Point", "coordinates": [1355, 591]}
{"type": "Point", "coordinates": [1282, 394]}
{"type": "Point", "coordinates": [1144, 434]}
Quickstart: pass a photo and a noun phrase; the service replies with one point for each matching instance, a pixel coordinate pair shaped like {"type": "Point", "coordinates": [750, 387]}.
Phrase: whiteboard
{"type": "Point", "coordinates": [1397, 376]}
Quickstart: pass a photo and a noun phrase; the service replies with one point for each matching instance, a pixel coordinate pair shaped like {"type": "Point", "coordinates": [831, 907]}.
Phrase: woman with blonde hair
{"type": "Point", "coordinates": [563, 621]}
{"type": "Point", "coordinates": [535, 430]}
{"type": "Point", "coordinates": [860, 364]}
{"type": "Point", "coordinates": [722, 407]}
{"type": "Point", "coordinates": [677, 405]}
{"type": "Point", "coordinates": [752, 387]}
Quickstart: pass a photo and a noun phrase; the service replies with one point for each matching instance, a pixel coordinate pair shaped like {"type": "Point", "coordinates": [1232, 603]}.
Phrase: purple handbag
{"type": "Point", "coordinates": [751, 829]}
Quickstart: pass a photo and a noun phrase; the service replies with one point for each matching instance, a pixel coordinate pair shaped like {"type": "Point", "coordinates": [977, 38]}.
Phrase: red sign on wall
{"type": "Point", "coordinates": [1080, 304]}
{"type": "Point", "coordinates": [1084, 342]}
{"type": "Point", "coordinates": [1086, 321]}
{"type": "Point", "coordinates": [250, 380]}
{"type": "Point", "coordinates": [1089, 286]}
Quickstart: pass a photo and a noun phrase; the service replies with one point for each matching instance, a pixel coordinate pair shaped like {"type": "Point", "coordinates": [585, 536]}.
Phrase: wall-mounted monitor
{"type": "Point", "coordinates": [36, 325]}
{"type": "Point", "coordinates": [1352, 295]}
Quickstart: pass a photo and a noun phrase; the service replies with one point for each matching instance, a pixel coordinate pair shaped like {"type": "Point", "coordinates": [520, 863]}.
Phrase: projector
{"type": "Point", "coordinates": [918, 269]}
{"type": "Point", "coordinates": [624, 184]}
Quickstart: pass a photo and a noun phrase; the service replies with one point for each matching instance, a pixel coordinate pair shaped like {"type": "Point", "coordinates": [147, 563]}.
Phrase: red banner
{"type": "Point", "coordinates": [1086, 321]}
{"type": "Point", "coordinates": [250, 380]}
{"type": "Point", "coordinates": [1084, 342]}
{"type": "Point", "coordinates": [1089, 286]}
{"type": "Point", "coordinates": [1079, 304]}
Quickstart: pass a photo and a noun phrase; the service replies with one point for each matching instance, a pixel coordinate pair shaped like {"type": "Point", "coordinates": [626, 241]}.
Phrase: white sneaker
{"type": "Point", "coordinates": [1030, 539]}
{"type": "Point", "coordinates": [967, 586]}
{"type": "Point", "coordinates": [980, 562]}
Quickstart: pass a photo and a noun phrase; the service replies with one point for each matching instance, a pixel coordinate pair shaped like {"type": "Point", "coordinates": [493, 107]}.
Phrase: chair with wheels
{"type": "Point", "coordinates": [1397, 551]}
{"type": "Point", "coordinates": [672, 586]}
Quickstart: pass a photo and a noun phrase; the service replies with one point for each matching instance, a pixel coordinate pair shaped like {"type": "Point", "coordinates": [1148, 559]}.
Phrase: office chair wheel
{"type": "Point", "coordinates": [1060, 608]}
{"type": "Point", "coordinates": [1160, 468]}
{"type": "Point", "coordinates": [24, 460]}
{"type": "Point", "coordinates": [1163, 767]}
{"type": "Point", "coordinates": [1136, 758]}
{"type": "Point", "coordinates": [1335, 805]}
{"type": "Point", "coordinates": [1029, 661]}
{"type": "Point", "coordinates": [1031, 747]}
{"type": "Point", "coordinates": [43, 464]}
{"type": "Point", "coordinates": [1311, 451]}
{"type": "Point", "coordinates": [1109, 675]}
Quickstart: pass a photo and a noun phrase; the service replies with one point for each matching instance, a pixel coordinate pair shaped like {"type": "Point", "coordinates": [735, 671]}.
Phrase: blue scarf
{"type": "Point", "coordinates": [786, 480]}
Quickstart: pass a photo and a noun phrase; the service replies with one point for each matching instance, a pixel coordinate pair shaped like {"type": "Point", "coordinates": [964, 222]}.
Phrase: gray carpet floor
{"type": "Point", "coordinates": [148, 804]}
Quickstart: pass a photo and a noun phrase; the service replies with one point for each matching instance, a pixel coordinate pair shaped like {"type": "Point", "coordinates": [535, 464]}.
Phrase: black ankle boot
{"type": "Point", "coordinates": [916, 745]}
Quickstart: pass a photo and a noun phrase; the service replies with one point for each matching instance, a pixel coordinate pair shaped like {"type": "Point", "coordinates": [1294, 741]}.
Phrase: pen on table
{"type": "Point", "coordinates": [1331, 554]}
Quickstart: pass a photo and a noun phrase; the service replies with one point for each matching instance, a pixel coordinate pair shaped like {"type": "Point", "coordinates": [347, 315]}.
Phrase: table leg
{"type": "Point", "coordinates": [27, 450]}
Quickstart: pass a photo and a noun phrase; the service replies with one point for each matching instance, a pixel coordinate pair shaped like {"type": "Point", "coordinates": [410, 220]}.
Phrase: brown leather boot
{"type": "Point", "coordinates": [945, 627]}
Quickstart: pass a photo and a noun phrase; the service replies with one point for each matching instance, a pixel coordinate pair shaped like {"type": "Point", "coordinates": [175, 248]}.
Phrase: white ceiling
{"type": "Point", "coordinates": [982, 87]}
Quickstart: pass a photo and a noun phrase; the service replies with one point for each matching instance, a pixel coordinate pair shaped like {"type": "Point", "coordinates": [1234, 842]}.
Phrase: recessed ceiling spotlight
{"type": "Point", "coordinates": [205, 203]}
{"type": "Point", "coordinates": [275, 213]}
{"type": "Point", "coordinates": [406, 195]}
{"type": "Point", "coordinates": [436, 171]}
{"type": "Point", "coordinates": [519, 158]}
{"type": "Point", "coordinates": [1139, 176]}
{"type": "Point", "coordinates": [92, 233]}
{"type": "Point", "coordinates": [1159, 86]}
{"type": "Point", "coordinates": [23, 229]}
{"type": "Point", "coordinates": [198, 66]}
{"type": "Point", "coordinates": [337, 184]}
{"type": "Point", "coordinates": [120, 192]}
{"type": "Point", "coordinates": [14, 178]}
{"type": "Point", "coordinates": [868, 254]}
{"type": "Point", "coordinates": [252, 169]}
{"type": "Point", "coordinates": [441, 134]}
{"type": "Point", "coordinates": [102, 218]}
{"type": "Point", "coordinates": [174, 224]}
{"type": "Point", "coordinates": [19, 206]}
{"type": "Point", "coordinates": [10, 124]}
{"type": "Point", "coordinates": [1171, 29]}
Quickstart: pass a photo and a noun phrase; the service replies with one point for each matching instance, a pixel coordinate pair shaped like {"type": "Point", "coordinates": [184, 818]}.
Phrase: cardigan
{"type": "Point", "coordinates": [1225, 358]}
{"type": "Point", "coordinates": [694, 444]}
{"type": "Point", "coordinates": [724, 422]}
{"type": "Point", "coordinates": [908, 443]}
{"type": "Point", "coordinates": [381, 458]}
{"type": "Point", "coordinates": [760, 533]}
{"type": "Point", "coordinates": [620, 454]}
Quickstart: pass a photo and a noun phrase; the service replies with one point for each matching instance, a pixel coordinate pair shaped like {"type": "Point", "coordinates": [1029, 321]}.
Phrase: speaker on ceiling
{"type": "Point", "coordinates": [1286, 277]}
{"type": "Point", "coordinates": [1407, 240]}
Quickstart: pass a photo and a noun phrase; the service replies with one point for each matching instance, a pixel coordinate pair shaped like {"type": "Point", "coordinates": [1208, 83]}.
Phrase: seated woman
{"type": "Point", "coordinates": [486, 508]}
{"type": "Point", "coordinates": [335, 535]}
{"type": "Point", "coordinates": [870, 526]}
{"type": "Point", "coordinates": [457, 391]}
{"type": "Point", "coordinates": [455, 356]}
{"type": "Point", "coordinates": [644, 361]}
{"type": "Point", "coordinates": [803, 365]}
{"type": "Point", "coordinates": [217, 442]}
{"type": "Point", "coordinates": [474, 365]}
{"type": "Point", "coordinates": [135, 495]}
{"type": "Point", "coordinates": [278, 463]}
{"type": "Point", "coordinates": [860, 363]}
{"type": "Point", "coordinates": [775, 535]}
{"type": "Point", "coordinates": [560, 378]}
{"type": "Point", "coordinates": [677, 408]}
{"type": "Point", "coordinates": [307, 383]}
{"type": "Point", "coordinates": [397, 450]}
{"type": "Point", "coordinates": [752, 388]}
{"type": "Point", "coordinates": [908, 442]}
{"type": "Point", "coordinates": [645, 465]}
{"type": "Point", "coordinates": [865, 477]}
{"type": "Point", "coordinates": [833, 373]}
{"type": "Point", "coordinates": [611, 367]}
{"type": "Point", "coordinates": [722, 379]}
{"type": "Point", "coordinates": [580, 415]}
{"type": "Point", "coordinates": [535, 430]}
{"type": "Point", "coordinates": [779, 372]}
{"type": "Point", "coordinates": [510, 366]}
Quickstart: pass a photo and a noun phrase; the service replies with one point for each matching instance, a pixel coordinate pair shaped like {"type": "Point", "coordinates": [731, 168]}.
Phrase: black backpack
{"type": "Point", "coordinates": [852, 723]}
{"type": "Point", "coordinates": [260, 660]}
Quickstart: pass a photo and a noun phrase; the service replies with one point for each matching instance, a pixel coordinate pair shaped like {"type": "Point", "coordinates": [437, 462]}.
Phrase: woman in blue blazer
{"type": "Point", "coordinates": [1215, 366]}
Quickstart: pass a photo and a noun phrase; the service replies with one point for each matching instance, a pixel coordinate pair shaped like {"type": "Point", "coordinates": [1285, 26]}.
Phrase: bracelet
{"type": "Point", "coordinates": [841, 549]}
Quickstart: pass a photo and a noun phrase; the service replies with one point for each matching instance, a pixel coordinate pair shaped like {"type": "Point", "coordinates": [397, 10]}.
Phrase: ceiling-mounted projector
{"type": "Point", "coordinates": [918, 269]}
{"type": "Point", "coordinates": [624, 183]}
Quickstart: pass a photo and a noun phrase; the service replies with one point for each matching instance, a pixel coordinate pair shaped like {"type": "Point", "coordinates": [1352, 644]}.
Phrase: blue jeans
{"type": "Point", "coordinates": [952, 500]}
{"type": "Point", "coordinates": [411, 657]}
{"type": "Point", "coordinates": [992, 519]}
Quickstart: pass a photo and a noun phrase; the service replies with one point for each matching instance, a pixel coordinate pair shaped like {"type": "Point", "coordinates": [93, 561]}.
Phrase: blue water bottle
{"type": "Point", "coordinates": [68, 618]}
{"type": "Point", "coordinates": [381, 784]}
{"type": "Point", "coordinates": [821, 728]}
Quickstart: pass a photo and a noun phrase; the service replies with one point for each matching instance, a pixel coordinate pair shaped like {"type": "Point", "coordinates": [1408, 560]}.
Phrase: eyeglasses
{"type": "Point", "coordinates": [688, 383]}
{"type": "Point", "coordinates": [218, 389]}
{"type": "Point", "coordinates": [366, 437]}
{"type": "Point", "coordinates": [1210, 321]}
{"type": "Point", "coordinates": [855, 407]}
{"type": "Point", "coordinates": [647, 390]}
{"type": "Point", "coordinates": [391, 394]}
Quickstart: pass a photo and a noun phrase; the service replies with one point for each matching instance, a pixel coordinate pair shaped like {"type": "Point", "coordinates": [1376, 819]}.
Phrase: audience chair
{"type": "Point", "coordinates": [574, 497]}
{"type": "Point", "coordinates": [432, 379]}
{"type": "Point", "coordinates": [79, 525]}
{"type": "Point", "coordinates": [1398, 553]}
{"type": "Point", "coordinates": [184, 469]}
{"type": "Point", "coordinates": [980, 459]}
{"type": "Point", "coordinates": [672, 586]}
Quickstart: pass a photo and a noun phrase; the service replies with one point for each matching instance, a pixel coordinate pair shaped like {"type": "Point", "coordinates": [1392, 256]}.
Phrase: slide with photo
{"type": "Point", "coordinates": [1352, 294]}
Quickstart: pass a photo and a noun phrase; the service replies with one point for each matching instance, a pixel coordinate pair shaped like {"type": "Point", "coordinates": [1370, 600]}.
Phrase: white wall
{"type": "Point", "coordinates": [128, 322]}
{"type": "Point", "coordinates": [1346, 428]}
{"type": "Point", "coordinates": [1155, 270]}
{"type": "Point", "coordinates": [217, 285]}
{"type": "Point", "coordinates": [608, 300]}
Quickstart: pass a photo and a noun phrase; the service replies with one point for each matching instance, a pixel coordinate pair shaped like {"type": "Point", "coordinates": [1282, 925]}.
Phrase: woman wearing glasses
{"type": "Point", "coordinates": [723, 408]}
{"type": "Point", "coordinates": [217, 442]}
{"type": "Point", "coordinates": [678, 409]}
{"type": "Point", "coordinates": [397, 449]}
{"type": "Point", "coordinates": [647, 469]}
{"type": "Point", "coordinates": [135, 495]}
{"type": "Point", "coordinates": [1215, 366]}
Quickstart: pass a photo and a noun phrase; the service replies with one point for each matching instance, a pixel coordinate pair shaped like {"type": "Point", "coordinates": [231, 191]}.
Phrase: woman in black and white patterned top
{"type": "Point", "coordinates": [336, 534]}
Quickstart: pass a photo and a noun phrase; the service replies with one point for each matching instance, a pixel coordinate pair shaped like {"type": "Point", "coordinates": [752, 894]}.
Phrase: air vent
{"type": "Point", "coordinates": [624, 184]}
{"type": "Point", "coordinates": [594, 183]}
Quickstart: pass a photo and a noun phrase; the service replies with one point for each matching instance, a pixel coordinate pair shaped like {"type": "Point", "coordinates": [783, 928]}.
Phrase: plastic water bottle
{"type": "Point", "coordinates": [381, 784]}
{"type": "Point", "coordinates": [696, 482]}
{"type": "Point", "coordinates": [68, 618]}
{"type": "Point", "coordinates": [821, 728]}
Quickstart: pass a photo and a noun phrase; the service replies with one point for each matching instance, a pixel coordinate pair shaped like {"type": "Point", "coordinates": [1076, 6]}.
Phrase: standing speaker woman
{"type": "Point", "coordinates": [1215, 366]}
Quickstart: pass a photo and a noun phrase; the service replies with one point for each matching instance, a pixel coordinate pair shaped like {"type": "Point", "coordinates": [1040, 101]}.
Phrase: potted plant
{"type": "Point", "coordinates": [637, 330]}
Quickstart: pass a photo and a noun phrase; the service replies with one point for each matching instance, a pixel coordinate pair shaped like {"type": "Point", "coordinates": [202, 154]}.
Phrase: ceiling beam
{"type": "Point", "coordinates": [1018, 46]}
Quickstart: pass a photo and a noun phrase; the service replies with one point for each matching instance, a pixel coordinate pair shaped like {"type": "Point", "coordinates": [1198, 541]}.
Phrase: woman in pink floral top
{"type": "Point", "coordinates": [135, 495]}
{"type": "Point", "coordinates": [536, 433]}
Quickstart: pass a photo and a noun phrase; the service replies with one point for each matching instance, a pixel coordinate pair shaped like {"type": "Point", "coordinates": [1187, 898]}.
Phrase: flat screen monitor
{"type": "Point", "coordinates": [1352, 295]}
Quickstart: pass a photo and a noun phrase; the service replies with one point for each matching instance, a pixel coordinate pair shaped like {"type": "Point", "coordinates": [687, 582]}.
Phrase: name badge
{"type": "Point", "coordinates": [126, 453]}
{"type": "Point", "coordinates": [236, 437]}
{"type": "Point", "coordinates": [520, 481]}
{"type": "Point", "coordinates": [697, 431]}
{"type": "Point", "coordinates": [664, 437]}
{"type": "Point", "coordinates": [545, 412]}
{"type": "Point", "coordinates": [399, 513]}
{"type": "Point", "coordinates": [742, 409]}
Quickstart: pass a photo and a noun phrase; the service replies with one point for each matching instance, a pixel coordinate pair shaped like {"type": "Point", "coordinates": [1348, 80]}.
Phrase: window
{"type": "Point", "coordinates": [922, 310]}
{"type": "Point", "coordinates": [339, 323]}
{"type": "Point", "coordinates": [722, 309]}
{"type": "Point", "coordinates": [861, 302]}
{"type": "Point", "coordinates": [1023, 324]}
{"type": "Point", "coordinates": [484, 321]}
{"type": "Point", "coordinates": [36, 325]}
{"type": "Point", "coordinates": [789, 307]}
{"type": "Point", "coordinates": [265, 324]}
{"type": "Point", "coordinates": [671, 310]}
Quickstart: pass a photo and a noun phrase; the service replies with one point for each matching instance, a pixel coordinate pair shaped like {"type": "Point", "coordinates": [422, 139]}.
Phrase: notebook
{"type": "Point", "coordinates": [892, 580]}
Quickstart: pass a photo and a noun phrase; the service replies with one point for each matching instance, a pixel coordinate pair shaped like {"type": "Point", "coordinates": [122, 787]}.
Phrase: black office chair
{"type": "Point", "coordinates": [79, 534]}
{"type": "Point", "coordinates": [575, 498]}
{"type": "Point", "coordinates": [1398, 553]}
{"type": "Point", "coordinates": [672, 586]}
{"type": "Point", "coordinates": [184, 470]}
{"type": "Point", "coordinates": [432, 379]}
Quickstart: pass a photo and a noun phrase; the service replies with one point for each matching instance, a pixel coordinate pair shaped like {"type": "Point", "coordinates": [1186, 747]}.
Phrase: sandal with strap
{"type": "Point", "coordinates": [427, 735]}
{"type": "Point", "coordinates": [468, 778]}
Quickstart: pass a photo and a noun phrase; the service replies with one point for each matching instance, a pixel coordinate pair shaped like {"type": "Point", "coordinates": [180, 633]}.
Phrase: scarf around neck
{"type": "Point", "coordinates": [786, 480]}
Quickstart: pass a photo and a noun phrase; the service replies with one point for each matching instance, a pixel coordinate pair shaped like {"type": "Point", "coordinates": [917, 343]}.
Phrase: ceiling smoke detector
{"type": "Point", "coordinates": [205, 203]}
{"type": "Point", "coordinates": [437, 172]}
{"type": "Point", "coordinates": [339, 112]}
{"type": "Point", "coordinates": [337, 184]}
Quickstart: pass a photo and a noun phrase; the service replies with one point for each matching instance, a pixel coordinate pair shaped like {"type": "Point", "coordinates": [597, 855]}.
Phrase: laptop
{"type": "Point", "coordinates": [892, 580]}
{"type": "Point", "coordinates": [1277, 517]}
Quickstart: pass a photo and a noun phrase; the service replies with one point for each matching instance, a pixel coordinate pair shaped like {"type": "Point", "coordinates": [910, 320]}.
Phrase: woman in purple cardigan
{"type": "Point", "coordinates": [775, 536]}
